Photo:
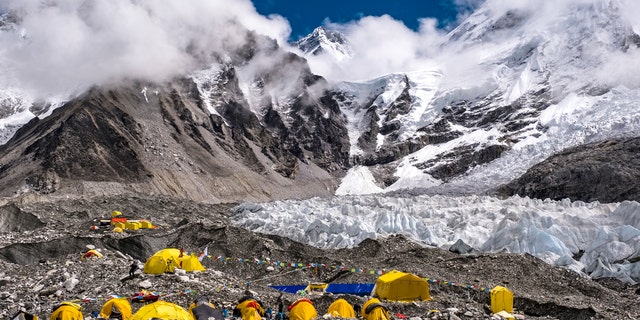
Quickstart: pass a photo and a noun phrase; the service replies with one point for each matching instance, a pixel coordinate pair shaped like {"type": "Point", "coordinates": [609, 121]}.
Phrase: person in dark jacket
{"type": "Point", "coordinates": [133, 269]}
{"type": "Point", "coordinates": [280, 315]}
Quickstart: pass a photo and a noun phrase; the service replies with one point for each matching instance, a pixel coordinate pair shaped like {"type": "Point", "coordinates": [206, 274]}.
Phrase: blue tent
{"type": "Point", "coordinates": [289, 289]}
{"type": "Point", "coordinates": [359, 289]}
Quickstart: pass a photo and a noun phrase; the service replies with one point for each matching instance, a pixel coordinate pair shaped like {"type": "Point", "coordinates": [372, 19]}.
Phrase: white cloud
{"type": "Point", "coordinates": [382, 45]}
{"type": "Point", "coordinates": [621, 68]}
{"type": "Point", "coordinates": [70, 45]}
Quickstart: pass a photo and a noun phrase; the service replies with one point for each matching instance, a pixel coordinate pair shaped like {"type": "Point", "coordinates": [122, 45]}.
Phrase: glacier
{"type": "Point", "coordinates": [595, 239]}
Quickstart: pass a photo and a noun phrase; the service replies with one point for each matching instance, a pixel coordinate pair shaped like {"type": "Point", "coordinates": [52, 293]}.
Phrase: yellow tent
{"type": "Point", "coordinates": [191, 263]}
{"type": "Point", "coordinates": [316, 288]}
{"type": "Point", "coordinates": [67, 311]}
{"type": "Point", "coordinates": [341, 309]}
{"type": "Point", "coordinates": [302, 309]}
{"type": "Point", "coordinates": [121, 304]}
{"type": "Point", "coordinates": [374, 310]}
{"type": "Point", "coordinates": [250, 309]}
{"type": "Point", "coordinates": [501, 299]}
{"type": "Point", "coordinates": [93, 253]}
{"type": "Point", "coordinates": [162, 310]}
{"type": "Point", "coordinates": [401, 286]}
{"type": "Point", "coordinates": [166, 260]}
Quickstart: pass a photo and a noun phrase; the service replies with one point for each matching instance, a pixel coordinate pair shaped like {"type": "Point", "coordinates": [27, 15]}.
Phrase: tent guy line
{"type": "Point", "coordinates": [299, 267]}
{"type": "Point", "coordinates": [486, 289]}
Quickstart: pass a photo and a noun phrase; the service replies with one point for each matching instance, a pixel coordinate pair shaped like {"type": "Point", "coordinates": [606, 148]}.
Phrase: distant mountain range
{"type": "Point", "coordinates": [539, 112]}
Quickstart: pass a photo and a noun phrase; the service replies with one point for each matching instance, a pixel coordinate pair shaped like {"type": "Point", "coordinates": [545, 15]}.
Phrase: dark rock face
{"type": "Point", "coordinates": [305, 128]}
{"type": "Point", "coordinates": [94, 140]}
{"type": "Point", "coordinates": [460, 247]}
{"type": "Point", "coordinates": [460, 114]}
{"type": "Point", "coordinates": [13, 219]}
{"type": "Point", "coordinates": [606, 171]}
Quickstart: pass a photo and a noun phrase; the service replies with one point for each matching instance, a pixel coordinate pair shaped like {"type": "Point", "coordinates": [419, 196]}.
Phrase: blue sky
{"type": "Point", "coordinates": [306, 15]}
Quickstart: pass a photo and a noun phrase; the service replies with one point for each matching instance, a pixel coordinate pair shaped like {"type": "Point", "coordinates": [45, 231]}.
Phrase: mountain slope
{"type": "Point", "coordinates": [511, 88]}
{"type": "Point", "coordinates": [202, 138]}
{"type": "Point", "coordinates": [535, 86]}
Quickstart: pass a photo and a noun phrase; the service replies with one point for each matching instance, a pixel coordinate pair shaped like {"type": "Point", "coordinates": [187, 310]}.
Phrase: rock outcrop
{"type": "Point", "coordinates": [607, 171]}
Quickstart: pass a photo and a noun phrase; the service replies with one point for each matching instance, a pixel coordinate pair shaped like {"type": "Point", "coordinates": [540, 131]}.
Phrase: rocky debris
{"type": "Point", "coordinates": [460, 247]}
{"type": "Point", "coordinates": [12, 219]}
{"type": "Point", "coordinates": [605, 171]}
{"type": "Point", "coordinates": [37, 284]}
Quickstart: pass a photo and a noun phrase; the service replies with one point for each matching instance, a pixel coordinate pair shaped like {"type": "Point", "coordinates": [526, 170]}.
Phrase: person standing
{"type": "Point", "coordinates": [133, 269]}
{"type": "Point", "coordinates": [280, 308]}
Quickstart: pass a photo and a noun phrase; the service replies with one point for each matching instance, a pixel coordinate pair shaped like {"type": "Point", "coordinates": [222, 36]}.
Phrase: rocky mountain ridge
{"type": "Point", "coordinates": [539, 91]}
{"type": "Point", "coordinates": [200, 137]}
{"type": "Point", "coordinates": [257, 124]}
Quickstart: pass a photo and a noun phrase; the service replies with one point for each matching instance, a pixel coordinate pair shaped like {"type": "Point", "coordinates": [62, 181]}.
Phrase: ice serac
{"type": "Point", "coordinates": [239, 129]}
{"type": "Point", "coordinates": [595, 239]}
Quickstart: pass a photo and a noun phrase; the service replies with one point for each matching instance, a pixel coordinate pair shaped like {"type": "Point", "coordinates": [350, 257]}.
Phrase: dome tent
{"type": "Point", "coordinates": [249, 308]}
{"type": "Point", "coordinates": [166, 260]}
{"type": "Point", "coordinates": [67, 311]}
{"type": "Point", "coordinates": [401, 286]}
{"type": "Point", "coordinates": [121, 304]}
{"type": "Point", "coordinates": [373, 309]}
{"type": "Point", "coordinates": [341, 309]}
{"type": "Point", "coordinates": [162, 310]}
{"type": "Point", "coordinates": [302, 309]}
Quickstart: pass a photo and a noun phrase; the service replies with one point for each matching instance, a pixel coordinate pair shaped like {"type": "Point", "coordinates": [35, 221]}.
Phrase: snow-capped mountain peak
{"type": "Point", "coordinates": [323, 41]}
{"type": "Point", "coordinates": [516, 86]}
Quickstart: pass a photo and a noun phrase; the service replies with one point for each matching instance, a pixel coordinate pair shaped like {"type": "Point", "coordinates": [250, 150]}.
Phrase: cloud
{"type": "Point", "coordinates": [574, 39]}
{"type": "Point", "coordinates": [382, 45]}
{"type": "Point", "coordinates": [621, 68]}
{"type": "Point", "coordinates": [65, 46]}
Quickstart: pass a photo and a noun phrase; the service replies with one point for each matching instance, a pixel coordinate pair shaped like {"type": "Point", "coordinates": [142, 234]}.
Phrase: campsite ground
{"type": "Point", "coordinates": [47, 250]}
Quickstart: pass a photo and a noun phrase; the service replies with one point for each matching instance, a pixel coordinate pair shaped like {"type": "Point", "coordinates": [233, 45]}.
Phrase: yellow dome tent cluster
{"type": "Point", "coordinates": [122, 310]}
{"type": "Point", "coordinates": [393, 286]}
{"type": "Point", "coordinates": [121, 223]}
{"type": "Point", "coordinates": [167, 260]}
